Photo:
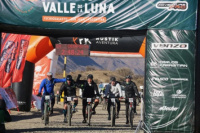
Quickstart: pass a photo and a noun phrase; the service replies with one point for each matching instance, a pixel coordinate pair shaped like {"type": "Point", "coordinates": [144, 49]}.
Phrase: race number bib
{"type": "Point", "coordinates": [130, 100]}
{"type": "Point", "coordinates": [47, 97]}
{"type": "Point", "coordinates": [113, 100]}
{"type": "Point", "coordinates": [69, 98]}
{"type": "Point", "coordinates": [89, 99]}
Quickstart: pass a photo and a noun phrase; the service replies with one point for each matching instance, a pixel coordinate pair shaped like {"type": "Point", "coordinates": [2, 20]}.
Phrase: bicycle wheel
{"type": "Point", "coordinates": [131, 116]}
{"type": "Point", "coordinates": [46, 114]}
{"type": "Point", "coordinates": [69, 113]}
{"type": "Point", "coordinates": [89, 110]}
{"type": "Point", "coordinates": [112, 109]}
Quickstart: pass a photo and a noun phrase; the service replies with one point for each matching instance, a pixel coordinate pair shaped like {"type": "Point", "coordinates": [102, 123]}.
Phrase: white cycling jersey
{"type": "Point", "coordinates": [115, 90]}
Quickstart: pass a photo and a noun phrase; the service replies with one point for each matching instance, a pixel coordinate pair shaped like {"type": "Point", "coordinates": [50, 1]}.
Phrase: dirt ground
{"type": "Point", "coordinates": [31, 121]}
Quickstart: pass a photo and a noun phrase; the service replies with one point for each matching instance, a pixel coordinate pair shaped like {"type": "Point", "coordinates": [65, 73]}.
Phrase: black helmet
{"type": "Point", "coordinates": [69, 77]}
{"type": "Point", "coordinates": [112, 79]}
{"type": "Point", "coordinates": [90, 76]}
{"type": "Point", "coordinates": [128, 77]}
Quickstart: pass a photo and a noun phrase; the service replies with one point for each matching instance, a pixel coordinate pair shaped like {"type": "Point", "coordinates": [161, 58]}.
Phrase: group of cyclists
{"type": "Point", "coordinates": [89, 90]}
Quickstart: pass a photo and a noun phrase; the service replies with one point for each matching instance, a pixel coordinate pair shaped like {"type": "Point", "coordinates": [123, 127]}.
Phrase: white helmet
{"type": "Point", "coordinates": [49, 74]}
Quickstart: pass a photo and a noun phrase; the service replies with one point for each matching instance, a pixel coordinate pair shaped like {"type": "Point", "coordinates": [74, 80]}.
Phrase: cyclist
{"type": "Point", "coordinates": [89, 88]}
{"type": "Point", "coordinates": [114, 90]}
{"type": "Point", "coordinates": [48, 85]}
{"type": "Point", "coordinates": [69, 88]}
{"type": "Point", "coordinates": [130, 90]}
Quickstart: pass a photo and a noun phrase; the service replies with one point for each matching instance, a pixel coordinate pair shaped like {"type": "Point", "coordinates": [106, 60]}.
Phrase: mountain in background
{"type": "Point", "coordinates": [75, 63]}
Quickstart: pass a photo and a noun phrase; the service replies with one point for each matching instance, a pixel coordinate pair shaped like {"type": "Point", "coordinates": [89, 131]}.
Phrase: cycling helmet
{"type": "Point", "coordinates": [112, 79]}
{"type": "Point", "coordinates": [90, 76]}
{"type": "Point", "coordinates": [49, 74]}
{"type": "Point", "coordinates": [128, 77]}
{"type": "Point", "coordinates": [69, 77]}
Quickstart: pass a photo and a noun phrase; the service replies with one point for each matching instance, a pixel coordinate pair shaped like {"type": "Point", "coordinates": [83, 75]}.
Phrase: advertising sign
{"type": "Point", "coordinates": [100, 14]}
{"type": "Point", "coordinates": [170, 71]}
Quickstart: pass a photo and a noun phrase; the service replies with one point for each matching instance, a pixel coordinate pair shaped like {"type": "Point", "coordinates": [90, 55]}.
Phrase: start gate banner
{"type": "Point", "coordinates": [170, 72]}
{"type": "Point", "coordinates": [100, 14]}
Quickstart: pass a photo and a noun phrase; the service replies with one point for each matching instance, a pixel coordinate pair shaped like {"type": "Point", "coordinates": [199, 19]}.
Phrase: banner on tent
{"type": "Point", "coordinates": [128, 46]}
{"type": "Point", "coordinates": [99, 15]}
{"type": "Point", "coordinates": [169, 93]}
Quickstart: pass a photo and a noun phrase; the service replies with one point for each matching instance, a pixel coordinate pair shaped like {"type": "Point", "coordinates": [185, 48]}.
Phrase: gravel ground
{"type": "Point", "coordinates": [31, 122]}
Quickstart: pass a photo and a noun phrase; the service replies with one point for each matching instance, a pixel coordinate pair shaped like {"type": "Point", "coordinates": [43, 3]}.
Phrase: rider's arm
{"type": "Point", "coordinates": [61, 89]}
{"type": "Point", "coordinates": [119, 89]}
{"type": "Point", "coordinates": [79, 82]}
{"type": "Point", "coordinates": [96, 89]}
{"type": "Point", "coordinates": [135, 89]}
{"type": "Point", "coordinates": [42, 85]}
{"type": "Point", "coordinates": [59, 80]}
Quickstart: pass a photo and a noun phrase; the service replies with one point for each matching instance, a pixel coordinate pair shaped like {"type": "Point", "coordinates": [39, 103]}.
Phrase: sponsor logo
{"type": "Point", "coordinates": [38, 68]}
{"type": "Point", "coordinates": [175, 64]}
{"type": "Point", "coordinates": [179, 95]}
{"type": "Point", "coordinates": [77, 40]}
{"type": "Point", "coordinates": [22, 6]}
{"type": "Point", "coordinates": [170, 46]}
{"type": "Point", "coordinates": [165, 108]}
{"type": "Point", "coordinates": [107, 40]}
{"type": "Point", "coordinates": [160, 79]}
{"type": "Point", "coordinates": [64, 7]}
{"type": "Point", "coordinates": [21, 103]}
{"type": "Point", "coordinates": [157, 93]}
{"type": "Point", "coordinates": [179, 79]}
{"type": "Point", "coordinates": [172, 5]}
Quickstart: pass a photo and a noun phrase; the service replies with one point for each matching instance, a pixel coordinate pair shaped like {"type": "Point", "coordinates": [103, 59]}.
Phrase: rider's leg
{"type": "Point", "coordinates": [127, 108]}
{"type": "Point", "coordinates": [96, 102]}
{"type": "Point", "coordinates": [134, 106]}
{"type": "Point", "coordinates": [118, 107]}
{"type": "Point", "coordinates": [52, 103]}
{"type": "Point", "coordinates": [65, 110]}
{"type": "Point", "coordinates": [75, 103]}
{"type": "Point", "coordinates": [84, 103]}
{"type": "Point", "coordinates": [108, 108]}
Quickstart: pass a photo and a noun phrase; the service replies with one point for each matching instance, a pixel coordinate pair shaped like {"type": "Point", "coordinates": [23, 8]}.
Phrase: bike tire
{"type": "Point", "coordinates": [112, 109]}
{"type": "Point", "coordinates": [69, 114]}
{"type": "Point", "coordinates": [131, 116]}
{"type": "Point", "coordinates": [46, 114]}
{"type": "Point", "coordinates": [89, 108]}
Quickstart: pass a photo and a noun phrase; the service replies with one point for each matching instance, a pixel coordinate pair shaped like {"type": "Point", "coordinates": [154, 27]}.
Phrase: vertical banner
{"type": "Point", "coordinates": [41, 69]}
{"type": "Point", "coordinates": [170, 69]}
{"type": "Point", "coordinates": [12, 61]}
{"type": "Point", "coordinates": [21, 58]}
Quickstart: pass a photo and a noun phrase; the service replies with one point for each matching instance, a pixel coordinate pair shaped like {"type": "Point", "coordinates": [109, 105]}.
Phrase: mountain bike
{"type": "Point", "coordinates": [47, 108]}
{"type": "Point", "coordinates": [89, 109]}
{"type": "Point", "coordinates": [69, 108]}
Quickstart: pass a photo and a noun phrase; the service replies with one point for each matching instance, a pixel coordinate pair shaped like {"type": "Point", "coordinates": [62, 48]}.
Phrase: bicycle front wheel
{"type": "Point", "coordinates": [69, 114]}
{"type": "Point", "coordinates": [46, 114]}
{"type": "Point", "coordinates": [89, 110]}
